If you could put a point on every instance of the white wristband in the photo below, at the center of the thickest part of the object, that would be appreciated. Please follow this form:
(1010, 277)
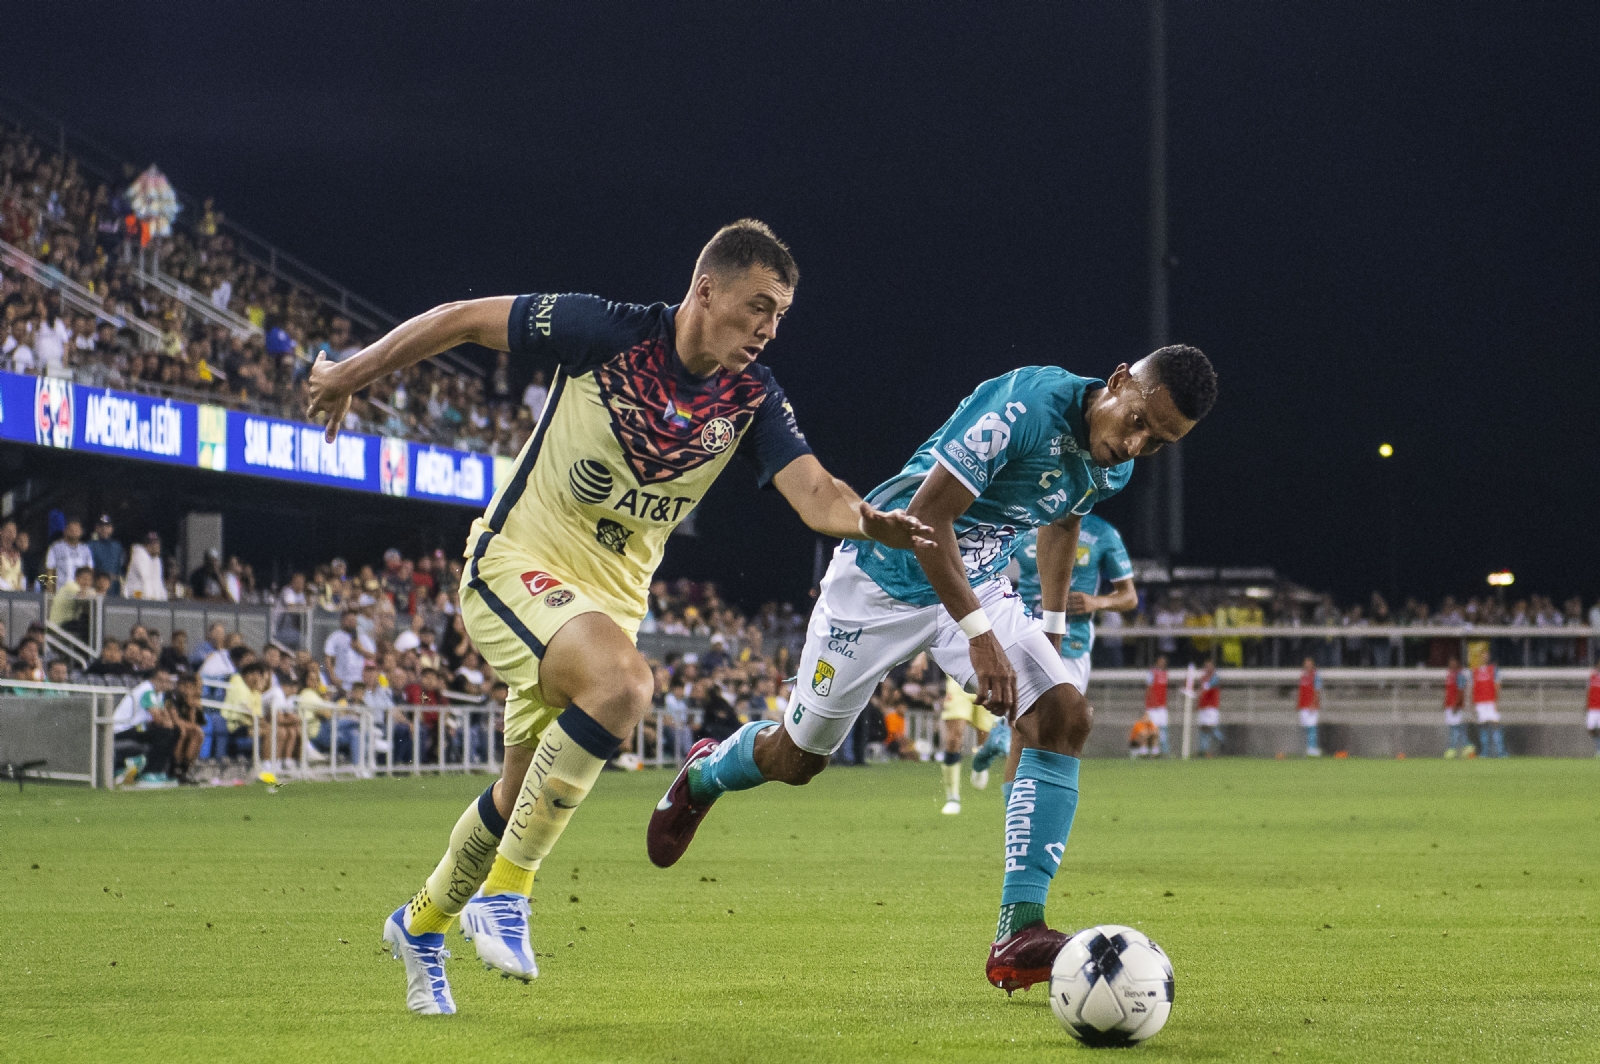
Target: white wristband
(1055, 622)
(975, 623)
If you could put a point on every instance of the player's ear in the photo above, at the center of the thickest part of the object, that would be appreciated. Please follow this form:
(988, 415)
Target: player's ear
(1119, 376)
(703, 286)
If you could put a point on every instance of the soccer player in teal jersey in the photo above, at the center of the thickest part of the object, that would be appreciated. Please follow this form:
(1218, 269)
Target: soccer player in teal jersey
(1101, 559)
(1034, 449)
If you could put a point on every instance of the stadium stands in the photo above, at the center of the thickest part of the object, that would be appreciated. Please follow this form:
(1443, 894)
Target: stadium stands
(89, 294)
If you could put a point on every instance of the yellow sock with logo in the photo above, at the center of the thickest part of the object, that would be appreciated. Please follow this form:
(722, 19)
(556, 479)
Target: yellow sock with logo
(565, 766)
(461, 870)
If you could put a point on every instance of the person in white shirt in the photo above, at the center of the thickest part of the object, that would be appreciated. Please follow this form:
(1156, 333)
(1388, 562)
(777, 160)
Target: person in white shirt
(50, 350)
(68, 554)
(222, 295)
(145, 579)
(215, 672)
(411, 638)
(348, 650)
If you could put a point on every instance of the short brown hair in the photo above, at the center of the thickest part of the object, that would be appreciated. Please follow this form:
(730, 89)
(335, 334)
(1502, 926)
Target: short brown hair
(744, 244)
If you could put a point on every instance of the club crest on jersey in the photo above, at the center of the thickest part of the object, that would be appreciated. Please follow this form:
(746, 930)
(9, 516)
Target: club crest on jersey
(717, 435)
(538, 583)
(556, 599)
(612, 536)
(822, 679)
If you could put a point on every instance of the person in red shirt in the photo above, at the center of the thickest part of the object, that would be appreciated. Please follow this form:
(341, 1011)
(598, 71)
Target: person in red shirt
(1592, 717)
(1309, 703)
(1209, 716)
(1456, 682)
(1486, 704)
(1155, 700)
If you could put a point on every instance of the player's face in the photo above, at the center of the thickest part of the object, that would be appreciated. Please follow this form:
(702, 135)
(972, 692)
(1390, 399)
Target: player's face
(1134, 418)
(742, 314)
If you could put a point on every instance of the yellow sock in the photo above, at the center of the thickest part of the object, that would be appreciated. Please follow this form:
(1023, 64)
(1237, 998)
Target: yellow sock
(952, 781)
(566, 764)
(507, 878)
(460, 871)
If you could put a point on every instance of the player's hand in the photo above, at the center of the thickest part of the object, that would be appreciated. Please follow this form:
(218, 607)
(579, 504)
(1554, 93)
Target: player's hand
(328, 400)
(997, 681)
(895, 529)
(1079, 603)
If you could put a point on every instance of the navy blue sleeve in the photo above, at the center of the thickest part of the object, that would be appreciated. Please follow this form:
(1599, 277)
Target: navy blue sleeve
(577, 331)
(774, 439)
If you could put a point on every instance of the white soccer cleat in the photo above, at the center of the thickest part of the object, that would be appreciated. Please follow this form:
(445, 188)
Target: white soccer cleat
(427, 989)
(497, 927)
(952, 807)
(980, 780)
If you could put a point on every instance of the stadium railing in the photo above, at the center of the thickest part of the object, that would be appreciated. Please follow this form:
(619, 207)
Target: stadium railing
(1283, 645)
(75, 296)
(1365, 711)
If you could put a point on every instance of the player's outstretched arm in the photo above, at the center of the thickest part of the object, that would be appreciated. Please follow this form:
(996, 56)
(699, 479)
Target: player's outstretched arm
(475, 321)
(1058, 552)
(941, 499)
(828, 505)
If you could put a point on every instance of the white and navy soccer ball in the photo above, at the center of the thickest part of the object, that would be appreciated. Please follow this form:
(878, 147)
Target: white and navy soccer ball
(1111, 986)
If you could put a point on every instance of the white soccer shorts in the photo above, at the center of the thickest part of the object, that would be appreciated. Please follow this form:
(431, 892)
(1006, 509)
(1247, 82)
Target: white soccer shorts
(1078, 672)
(1488, 712)
(858, 633)
(1158, 716)
(1308, 718)
(1591, 720)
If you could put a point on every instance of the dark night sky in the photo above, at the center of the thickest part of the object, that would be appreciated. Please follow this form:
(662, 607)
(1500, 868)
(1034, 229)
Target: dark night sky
(1384, 216)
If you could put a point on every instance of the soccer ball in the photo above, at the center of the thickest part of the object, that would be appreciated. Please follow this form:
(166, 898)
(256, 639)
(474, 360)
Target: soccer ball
(1111, 986)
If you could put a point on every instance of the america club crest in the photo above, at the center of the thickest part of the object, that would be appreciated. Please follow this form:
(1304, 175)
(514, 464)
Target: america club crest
(53, 413)
(556, 599)
(717, 436)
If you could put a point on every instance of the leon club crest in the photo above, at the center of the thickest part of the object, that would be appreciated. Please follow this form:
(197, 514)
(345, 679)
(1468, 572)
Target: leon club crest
(822, 679)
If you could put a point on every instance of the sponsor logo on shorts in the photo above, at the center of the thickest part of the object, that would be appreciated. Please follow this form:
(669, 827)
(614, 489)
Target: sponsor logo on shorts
(612, 536)
(822, 679)
(538, 583)
(842, 641)
(556, 599)
(591, 481)
(717, 435)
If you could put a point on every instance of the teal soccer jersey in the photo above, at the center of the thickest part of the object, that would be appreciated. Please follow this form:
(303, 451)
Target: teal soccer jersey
(1021, 446)
(1100, 554)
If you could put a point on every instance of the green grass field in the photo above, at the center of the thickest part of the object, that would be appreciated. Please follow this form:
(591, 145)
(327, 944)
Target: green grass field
(1334, 910)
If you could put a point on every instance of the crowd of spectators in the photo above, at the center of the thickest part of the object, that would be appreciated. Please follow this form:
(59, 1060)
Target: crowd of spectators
(86, 231)
(1215, 607)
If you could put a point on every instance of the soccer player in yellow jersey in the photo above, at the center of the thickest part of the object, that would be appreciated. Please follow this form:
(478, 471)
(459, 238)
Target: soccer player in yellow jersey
(647, 407)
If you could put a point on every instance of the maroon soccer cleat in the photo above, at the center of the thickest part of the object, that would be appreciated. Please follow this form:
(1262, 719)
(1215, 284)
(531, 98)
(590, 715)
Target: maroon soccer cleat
(1025, 958)
(673, 824)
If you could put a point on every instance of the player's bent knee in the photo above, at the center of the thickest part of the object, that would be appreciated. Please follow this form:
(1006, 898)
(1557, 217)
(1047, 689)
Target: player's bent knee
(1059, 722)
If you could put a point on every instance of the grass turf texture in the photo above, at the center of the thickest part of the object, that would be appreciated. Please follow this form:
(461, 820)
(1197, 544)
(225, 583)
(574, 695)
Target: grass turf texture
(1334, 910)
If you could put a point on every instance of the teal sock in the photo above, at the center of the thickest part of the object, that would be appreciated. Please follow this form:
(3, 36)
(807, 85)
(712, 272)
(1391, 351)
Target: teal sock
(1015, 916)
(732, 767)
(1039, 812)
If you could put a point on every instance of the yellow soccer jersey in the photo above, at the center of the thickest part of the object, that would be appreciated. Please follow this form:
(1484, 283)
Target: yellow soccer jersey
(628, 443)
